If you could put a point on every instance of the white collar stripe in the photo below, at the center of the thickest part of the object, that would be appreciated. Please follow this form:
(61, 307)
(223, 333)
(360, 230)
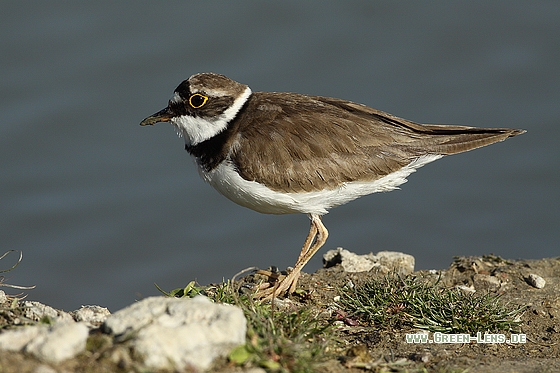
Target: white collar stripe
(197, 129)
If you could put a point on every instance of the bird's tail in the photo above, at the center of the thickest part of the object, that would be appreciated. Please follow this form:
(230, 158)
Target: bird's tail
(446, 140)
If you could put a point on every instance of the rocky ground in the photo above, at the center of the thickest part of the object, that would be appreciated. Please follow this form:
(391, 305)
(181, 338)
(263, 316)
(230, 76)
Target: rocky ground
(540, 321)
(91, 340)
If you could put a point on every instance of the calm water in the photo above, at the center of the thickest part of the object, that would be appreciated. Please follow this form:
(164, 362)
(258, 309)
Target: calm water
(103, 208)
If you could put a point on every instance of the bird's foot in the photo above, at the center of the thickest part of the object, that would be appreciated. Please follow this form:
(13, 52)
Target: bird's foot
(283, 285)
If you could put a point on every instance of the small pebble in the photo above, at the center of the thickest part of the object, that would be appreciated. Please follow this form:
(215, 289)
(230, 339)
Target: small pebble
(536, 281)
(424, 356)
(466, 289)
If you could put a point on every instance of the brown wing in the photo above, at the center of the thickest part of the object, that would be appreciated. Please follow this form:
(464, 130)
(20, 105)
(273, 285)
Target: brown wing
(297, 143)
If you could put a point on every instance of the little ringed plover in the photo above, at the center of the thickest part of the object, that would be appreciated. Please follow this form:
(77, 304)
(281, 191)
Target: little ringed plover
(283, 153)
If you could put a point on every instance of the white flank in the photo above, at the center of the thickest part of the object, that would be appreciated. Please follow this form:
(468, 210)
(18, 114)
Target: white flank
(258, 197)
(198, 129)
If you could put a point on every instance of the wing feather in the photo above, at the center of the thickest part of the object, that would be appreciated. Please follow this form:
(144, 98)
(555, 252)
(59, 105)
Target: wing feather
(297, 143)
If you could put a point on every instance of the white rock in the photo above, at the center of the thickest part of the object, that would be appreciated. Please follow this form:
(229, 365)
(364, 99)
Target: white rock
(52, 344)
(17, 339)
(179, 333)
(536, 281)
(384, 260)
(135, 316)
(59, 342)
(399, 262)
(91, 315)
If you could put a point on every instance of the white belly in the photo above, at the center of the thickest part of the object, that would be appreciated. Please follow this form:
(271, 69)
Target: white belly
(262, 199)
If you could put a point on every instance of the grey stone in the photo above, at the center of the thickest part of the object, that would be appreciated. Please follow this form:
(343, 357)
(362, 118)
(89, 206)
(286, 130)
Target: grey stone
(536, 281)
(179, 333)
(350, 261)
(384, 261)
(37, 311)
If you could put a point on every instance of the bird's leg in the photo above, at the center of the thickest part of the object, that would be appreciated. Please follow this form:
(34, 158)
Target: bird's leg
(321, 236)
(275, 276)
(315, 239)
(308, 240)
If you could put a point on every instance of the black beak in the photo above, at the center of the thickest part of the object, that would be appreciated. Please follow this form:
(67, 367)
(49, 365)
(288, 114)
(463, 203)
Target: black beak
(161, 116)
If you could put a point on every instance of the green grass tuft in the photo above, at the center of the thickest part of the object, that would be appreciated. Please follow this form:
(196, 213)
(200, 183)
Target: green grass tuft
(408, 301)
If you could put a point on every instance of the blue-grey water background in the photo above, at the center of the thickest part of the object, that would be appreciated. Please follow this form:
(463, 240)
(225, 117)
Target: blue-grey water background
(103, 208)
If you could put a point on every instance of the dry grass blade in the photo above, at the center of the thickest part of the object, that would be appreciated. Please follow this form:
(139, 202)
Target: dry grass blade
(2, 283)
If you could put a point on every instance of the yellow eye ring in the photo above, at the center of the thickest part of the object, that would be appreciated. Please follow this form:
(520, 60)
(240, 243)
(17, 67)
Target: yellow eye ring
(197, 100)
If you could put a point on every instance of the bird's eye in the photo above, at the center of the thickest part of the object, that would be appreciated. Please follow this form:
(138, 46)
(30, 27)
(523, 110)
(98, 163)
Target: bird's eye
(197, 100)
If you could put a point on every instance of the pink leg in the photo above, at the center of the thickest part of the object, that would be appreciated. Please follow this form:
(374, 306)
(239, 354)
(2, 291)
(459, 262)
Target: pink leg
(315, 240)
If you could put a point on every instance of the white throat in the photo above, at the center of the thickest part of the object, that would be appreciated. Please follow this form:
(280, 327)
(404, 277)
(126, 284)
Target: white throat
(197, 129)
